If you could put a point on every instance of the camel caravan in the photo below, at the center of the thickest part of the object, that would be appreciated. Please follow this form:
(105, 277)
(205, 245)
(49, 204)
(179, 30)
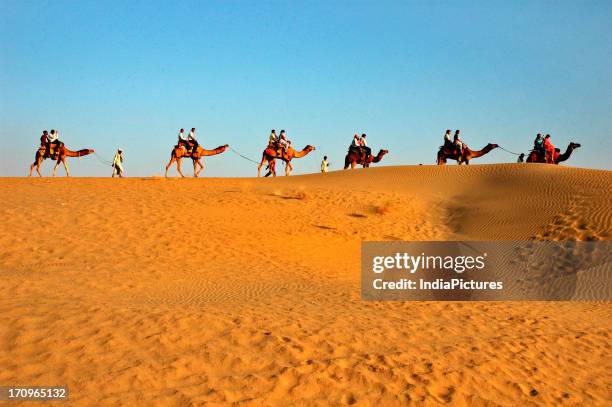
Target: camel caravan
(279, 148)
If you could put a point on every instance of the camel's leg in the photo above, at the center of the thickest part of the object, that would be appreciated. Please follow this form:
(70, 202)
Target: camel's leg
(178, 167)
(272, 167)
(353, 164)
(57, 163)
(199, 163)
(61, 160)
(36, 164)
(32, 167)
(263, 160)
(288, 168)
(66, 166)
(172, 160)
(195, 168)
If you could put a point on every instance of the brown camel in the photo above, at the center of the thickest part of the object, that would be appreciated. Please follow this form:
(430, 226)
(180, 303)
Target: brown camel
(449, 152)
(179, 152)
(536, 156)
(58, 154)
(353, 158)
(270, 155)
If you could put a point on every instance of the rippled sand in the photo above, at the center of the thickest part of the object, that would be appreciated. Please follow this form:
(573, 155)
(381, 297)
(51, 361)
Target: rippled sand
(185, 292)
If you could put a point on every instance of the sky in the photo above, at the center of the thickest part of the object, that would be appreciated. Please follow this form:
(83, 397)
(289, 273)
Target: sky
(112, 74)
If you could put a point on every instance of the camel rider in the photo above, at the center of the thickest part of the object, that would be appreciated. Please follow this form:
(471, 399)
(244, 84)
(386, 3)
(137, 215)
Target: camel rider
(53, 138)
(550, 150)
(283, 143)
(43, 138)
(366, 151)
(355, 145)
(182, 139)
(192, 139)
(538, 144)
(44, 142)
(458, 142)
(447, 139)
(273, 139)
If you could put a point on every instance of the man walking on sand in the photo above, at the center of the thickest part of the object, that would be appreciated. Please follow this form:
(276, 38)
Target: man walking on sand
(117, 164)
(324, 165)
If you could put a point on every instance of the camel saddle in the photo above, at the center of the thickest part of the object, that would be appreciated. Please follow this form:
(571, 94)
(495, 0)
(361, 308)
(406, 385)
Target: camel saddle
(361, 154)
(53, 152)
(182, 145)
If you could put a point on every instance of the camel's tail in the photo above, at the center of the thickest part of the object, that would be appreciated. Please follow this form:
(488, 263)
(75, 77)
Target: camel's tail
(79, 153)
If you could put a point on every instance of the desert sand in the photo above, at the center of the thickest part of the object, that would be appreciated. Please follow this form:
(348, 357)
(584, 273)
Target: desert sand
(153, 291)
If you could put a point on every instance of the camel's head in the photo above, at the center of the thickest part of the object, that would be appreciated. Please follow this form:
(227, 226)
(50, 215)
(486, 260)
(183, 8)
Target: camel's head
(383, 152)
(309, 148)
(573, 145)
(225, 145)
(492, 146)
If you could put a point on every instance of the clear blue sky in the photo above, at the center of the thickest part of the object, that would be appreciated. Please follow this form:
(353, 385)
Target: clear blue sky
(130, 74)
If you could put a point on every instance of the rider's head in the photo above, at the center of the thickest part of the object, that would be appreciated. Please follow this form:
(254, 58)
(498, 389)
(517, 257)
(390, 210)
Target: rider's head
(363, 135)
(325, 157)
(273, 131)
(193, 129)
(182, 131)
(547, 136)
(282, 132)
(52, 131)
(448, 131)
(356, 135)
(45, 132)
(457, 131)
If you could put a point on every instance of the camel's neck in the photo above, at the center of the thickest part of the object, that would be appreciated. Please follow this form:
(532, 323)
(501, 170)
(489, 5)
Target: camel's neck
(302, 153)
(566, 155)
(79, 153)
(479, 153)
(378, 157)
(203, 152)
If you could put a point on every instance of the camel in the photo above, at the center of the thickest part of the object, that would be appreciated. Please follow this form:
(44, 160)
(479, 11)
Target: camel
(179, 152)
(58, 154)
(449, 152)
(536, 157)
(353, 158)
(270, 155)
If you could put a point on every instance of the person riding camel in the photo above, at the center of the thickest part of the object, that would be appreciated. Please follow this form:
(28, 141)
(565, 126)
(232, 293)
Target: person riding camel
(447, 139)
(283, 143)
(182, 139)
(44, 141)
(458, 143)
(538, 144)
(550, 150)
(192, 140)
(53, 138)
(273, 139)
(365, 150)
(355, 144)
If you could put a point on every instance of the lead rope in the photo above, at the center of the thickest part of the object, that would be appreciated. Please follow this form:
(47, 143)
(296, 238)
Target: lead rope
(243, 156)
(102, 160)
(508, 151)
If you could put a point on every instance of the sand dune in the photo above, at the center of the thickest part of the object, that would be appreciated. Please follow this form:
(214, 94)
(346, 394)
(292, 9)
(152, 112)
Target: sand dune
(184, 292)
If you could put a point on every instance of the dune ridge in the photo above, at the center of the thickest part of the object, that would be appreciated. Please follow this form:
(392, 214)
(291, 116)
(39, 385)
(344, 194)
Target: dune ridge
(217, 291)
